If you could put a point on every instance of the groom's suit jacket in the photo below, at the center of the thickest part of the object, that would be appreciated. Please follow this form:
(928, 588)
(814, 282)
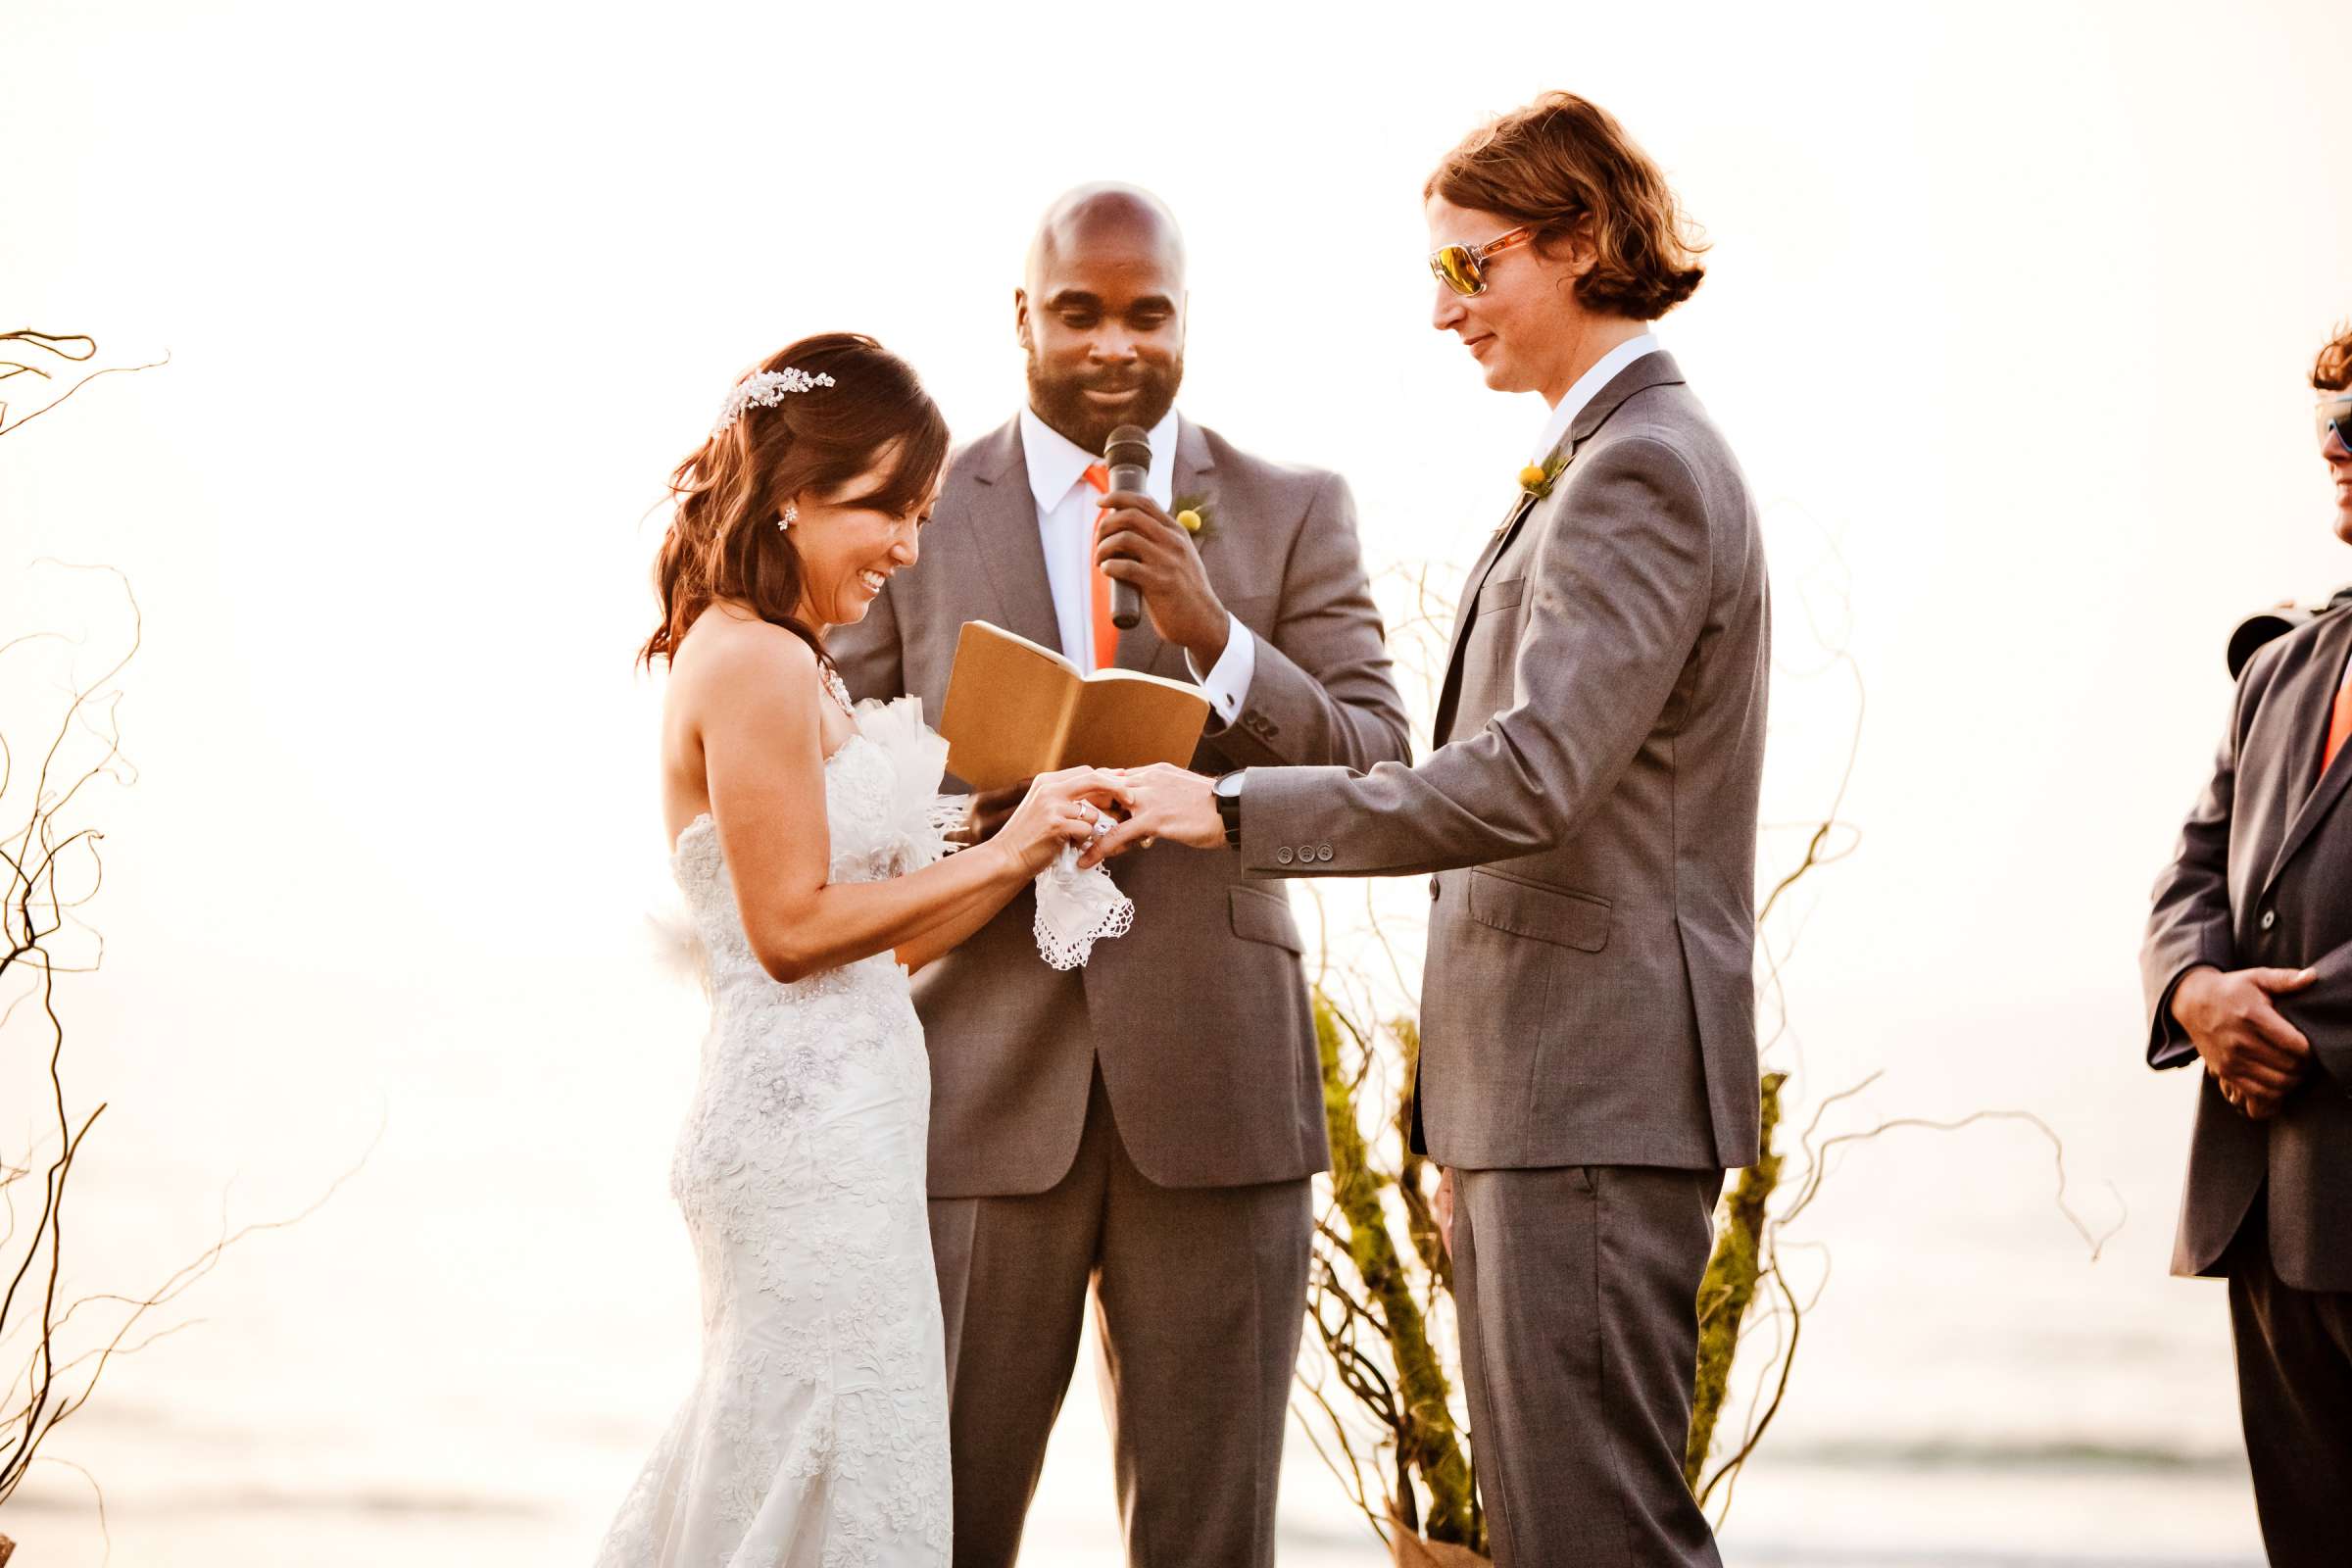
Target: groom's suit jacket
(1590, 811)
(1199, 1015)
(2263, 877)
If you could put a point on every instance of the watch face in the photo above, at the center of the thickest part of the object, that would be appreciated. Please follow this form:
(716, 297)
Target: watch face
(1229, 787)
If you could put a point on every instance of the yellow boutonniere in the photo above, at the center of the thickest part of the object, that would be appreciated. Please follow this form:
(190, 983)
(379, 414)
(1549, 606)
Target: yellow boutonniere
(1536, 479)
(1196, 516)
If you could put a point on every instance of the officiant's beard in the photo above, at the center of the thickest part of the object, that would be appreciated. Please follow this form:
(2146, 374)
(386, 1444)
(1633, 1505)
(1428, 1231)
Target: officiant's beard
(1062, 403)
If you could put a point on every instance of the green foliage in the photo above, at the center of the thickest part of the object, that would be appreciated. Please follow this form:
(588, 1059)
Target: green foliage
(1729, 1283)
(1410, 1393)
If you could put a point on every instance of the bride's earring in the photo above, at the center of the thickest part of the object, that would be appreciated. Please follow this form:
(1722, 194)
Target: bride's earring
(792, 515)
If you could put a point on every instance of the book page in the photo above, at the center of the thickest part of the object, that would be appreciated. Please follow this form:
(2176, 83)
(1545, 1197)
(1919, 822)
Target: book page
(1126, 719)
(1008, 708)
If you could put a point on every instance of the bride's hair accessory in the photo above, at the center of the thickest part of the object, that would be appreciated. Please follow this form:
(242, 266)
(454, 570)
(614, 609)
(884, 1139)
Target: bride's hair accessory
(766, 389)
(792, 515)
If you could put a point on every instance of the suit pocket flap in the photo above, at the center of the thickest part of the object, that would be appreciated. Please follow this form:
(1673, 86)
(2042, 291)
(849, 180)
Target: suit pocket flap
(1259, 915)
(1501, 593)
(1547, 914)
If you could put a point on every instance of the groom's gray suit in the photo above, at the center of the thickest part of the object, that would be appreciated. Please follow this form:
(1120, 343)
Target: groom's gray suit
(1150, 1121)
(1589, 1050)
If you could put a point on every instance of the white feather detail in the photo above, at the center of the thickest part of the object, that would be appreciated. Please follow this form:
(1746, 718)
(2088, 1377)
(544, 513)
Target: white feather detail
(678, 950)
(918, 756)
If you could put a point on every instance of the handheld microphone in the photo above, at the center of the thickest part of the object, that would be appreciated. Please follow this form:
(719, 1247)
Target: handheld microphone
(1128, 456)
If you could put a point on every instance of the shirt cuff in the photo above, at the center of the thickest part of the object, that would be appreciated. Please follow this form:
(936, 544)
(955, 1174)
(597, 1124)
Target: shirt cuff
(1226, 685)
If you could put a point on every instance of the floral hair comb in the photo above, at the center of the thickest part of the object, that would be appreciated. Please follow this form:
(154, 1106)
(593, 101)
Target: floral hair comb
(766, 388)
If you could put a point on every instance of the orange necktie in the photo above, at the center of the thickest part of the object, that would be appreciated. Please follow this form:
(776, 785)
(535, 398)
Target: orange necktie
(2339, 728)
(1106, 635)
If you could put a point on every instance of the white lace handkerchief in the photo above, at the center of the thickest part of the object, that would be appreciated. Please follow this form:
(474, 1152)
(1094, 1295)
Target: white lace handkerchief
(1076, 909)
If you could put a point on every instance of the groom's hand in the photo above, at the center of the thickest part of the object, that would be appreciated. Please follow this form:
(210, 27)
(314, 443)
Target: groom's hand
(1136, 542)
(1168, 803)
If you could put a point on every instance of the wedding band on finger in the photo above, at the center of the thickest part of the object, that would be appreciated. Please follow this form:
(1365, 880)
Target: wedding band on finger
(1148, 841)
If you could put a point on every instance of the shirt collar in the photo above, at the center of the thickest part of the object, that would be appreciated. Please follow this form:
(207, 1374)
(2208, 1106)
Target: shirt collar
(1057, 462)
(1587, 386)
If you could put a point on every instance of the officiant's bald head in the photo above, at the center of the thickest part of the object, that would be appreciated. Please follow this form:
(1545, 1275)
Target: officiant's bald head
(1101, 313)
(1105, 215)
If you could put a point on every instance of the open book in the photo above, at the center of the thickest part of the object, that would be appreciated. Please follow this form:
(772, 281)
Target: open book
(1016, 710)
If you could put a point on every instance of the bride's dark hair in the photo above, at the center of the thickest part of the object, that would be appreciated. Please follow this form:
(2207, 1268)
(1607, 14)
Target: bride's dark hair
(723, 542)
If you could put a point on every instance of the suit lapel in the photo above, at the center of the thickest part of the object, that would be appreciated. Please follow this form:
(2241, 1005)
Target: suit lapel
(1496, 543)
(1004, 527)
(1650, 369)
(2310, 700)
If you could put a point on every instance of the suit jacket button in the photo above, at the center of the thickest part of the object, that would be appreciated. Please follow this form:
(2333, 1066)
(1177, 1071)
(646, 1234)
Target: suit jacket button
(2269, 918)
(1282, 856)
(1322, 852)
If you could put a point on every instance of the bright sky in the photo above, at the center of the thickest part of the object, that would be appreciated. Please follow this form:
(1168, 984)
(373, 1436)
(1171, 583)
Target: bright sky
(2008, 316)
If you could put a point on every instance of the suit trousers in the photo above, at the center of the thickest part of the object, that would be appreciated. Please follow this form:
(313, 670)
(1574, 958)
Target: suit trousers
(1577, 1290)
(2294, 1396)
(1199, 1296)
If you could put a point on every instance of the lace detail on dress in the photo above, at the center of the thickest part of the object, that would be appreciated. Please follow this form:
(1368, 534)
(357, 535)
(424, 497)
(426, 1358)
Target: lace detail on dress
(817, 1435)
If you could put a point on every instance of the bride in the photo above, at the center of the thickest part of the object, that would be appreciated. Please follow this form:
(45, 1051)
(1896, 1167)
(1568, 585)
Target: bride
(817, 1435)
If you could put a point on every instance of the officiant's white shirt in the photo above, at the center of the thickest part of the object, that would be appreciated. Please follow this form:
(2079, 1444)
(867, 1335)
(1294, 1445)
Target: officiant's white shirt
(1587, 387)
(1065, 526)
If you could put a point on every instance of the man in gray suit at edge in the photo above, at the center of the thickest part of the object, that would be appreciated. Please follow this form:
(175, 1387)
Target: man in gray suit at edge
(1149, 1123)
(1589, 1054)
(2248, 966)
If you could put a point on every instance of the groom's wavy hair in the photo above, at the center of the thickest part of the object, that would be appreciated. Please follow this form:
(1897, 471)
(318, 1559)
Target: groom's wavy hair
(2332, 371)
(1565, 168)
(723, 541)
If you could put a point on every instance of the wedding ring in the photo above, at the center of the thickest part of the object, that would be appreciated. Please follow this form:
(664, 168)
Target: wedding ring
(1086, 811)
(1148, 841)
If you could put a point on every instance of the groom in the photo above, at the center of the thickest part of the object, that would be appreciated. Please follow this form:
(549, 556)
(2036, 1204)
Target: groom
(1589, 1051)
(1145, 1125)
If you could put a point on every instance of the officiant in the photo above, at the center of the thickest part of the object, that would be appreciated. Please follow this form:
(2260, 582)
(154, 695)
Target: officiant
(1142, 1129)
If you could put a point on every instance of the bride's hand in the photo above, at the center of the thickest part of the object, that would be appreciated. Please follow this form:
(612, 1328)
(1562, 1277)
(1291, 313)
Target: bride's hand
(1064, 808)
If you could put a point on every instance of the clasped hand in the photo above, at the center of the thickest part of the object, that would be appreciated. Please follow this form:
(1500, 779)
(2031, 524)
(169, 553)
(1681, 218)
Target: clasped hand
(2252, 1051)
(1032, 821)
(1143, 805)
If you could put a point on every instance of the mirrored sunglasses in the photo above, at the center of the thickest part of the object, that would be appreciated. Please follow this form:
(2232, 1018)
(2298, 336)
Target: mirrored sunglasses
(2335, 414)
(1463, 268)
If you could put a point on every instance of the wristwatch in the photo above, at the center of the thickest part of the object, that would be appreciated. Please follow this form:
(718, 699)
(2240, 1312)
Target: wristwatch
(1228, 792)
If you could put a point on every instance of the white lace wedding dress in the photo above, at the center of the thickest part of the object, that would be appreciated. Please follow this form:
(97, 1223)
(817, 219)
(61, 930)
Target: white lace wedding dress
(817, 1435)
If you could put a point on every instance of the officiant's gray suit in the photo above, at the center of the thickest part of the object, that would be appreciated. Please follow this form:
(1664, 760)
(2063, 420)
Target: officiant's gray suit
(1149, 1122)
(1588, 1016)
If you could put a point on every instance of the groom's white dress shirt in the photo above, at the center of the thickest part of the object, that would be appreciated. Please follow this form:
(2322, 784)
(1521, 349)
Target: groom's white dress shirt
(1065, 526)
(1587, 386)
